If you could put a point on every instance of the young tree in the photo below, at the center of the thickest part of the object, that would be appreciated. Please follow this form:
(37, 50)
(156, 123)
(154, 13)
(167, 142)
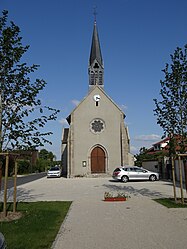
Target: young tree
(171, 110)
(22, 114)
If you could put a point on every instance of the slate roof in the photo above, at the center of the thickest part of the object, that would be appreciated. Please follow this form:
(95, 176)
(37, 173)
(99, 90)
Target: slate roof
(95, 47)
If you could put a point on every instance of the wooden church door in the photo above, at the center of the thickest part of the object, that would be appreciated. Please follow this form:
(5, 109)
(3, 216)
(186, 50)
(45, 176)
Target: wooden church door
(97, 160)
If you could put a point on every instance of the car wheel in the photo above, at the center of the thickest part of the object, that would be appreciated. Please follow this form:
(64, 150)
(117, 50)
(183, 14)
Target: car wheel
(124, 179)
(152, 178)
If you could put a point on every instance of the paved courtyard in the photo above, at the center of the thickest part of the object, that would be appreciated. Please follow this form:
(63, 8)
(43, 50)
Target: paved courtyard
(89, 188)
(139, 223)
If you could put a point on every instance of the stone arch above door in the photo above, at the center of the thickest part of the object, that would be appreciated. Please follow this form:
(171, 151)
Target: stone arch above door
(98, 161)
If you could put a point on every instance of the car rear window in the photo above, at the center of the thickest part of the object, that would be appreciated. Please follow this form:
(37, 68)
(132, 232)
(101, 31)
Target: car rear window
(117, 169)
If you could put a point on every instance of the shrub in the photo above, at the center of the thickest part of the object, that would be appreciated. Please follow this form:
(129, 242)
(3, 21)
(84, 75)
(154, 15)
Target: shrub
(24, 167)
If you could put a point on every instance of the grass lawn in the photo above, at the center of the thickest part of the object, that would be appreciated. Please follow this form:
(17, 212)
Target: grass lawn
(38, 226)
(170, 203)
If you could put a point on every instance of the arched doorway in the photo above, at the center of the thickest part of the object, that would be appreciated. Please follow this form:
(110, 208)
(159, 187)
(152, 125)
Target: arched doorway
(97, 160)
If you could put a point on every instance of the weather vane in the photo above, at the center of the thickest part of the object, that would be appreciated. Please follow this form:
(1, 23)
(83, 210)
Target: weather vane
(95, 12)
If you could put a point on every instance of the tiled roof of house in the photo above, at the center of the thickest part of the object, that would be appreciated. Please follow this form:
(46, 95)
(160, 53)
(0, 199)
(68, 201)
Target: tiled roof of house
(165, 148)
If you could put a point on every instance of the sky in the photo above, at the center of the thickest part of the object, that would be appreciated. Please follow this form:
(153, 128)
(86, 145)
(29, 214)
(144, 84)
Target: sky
(137, 38)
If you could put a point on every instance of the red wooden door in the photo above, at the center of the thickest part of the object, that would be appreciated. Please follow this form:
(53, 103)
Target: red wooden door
(97, 160)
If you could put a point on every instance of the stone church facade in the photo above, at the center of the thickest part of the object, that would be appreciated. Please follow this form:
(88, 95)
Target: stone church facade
(97, 140)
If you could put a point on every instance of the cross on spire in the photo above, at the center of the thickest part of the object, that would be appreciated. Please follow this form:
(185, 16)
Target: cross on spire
(95, 13)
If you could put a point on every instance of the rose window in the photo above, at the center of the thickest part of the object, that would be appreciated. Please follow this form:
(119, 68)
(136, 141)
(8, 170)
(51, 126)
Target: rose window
(97, 126)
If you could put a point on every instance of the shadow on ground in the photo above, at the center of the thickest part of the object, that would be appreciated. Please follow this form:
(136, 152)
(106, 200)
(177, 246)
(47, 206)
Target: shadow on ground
(21, 195)
(134, 191)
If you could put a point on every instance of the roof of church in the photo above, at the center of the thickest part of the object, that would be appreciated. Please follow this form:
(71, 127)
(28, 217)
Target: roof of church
(95, 47)
(100, 89)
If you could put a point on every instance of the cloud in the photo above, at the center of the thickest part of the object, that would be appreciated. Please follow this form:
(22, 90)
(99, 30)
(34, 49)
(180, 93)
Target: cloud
(75, 102)
(123, 107)
(134, 149)
(149, 138)
(63, 121)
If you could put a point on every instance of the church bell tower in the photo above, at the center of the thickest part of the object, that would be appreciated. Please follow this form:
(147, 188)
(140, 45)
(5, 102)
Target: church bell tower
(97, 138)
(96, 67)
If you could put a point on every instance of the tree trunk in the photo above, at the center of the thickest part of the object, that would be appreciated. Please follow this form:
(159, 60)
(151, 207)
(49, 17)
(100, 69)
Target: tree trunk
(173, 175)
(181, 183)
(15, 185)
(5, 186)
(185, 172)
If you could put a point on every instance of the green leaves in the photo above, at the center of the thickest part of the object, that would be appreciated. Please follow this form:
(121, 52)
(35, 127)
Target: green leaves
(171, 110)
(46, 155)
(22, 114)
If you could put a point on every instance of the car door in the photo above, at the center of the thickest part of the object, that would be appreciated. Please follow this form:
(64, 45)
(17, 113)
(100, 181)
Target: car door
(140, 174)
(143, 174)
(132, 174)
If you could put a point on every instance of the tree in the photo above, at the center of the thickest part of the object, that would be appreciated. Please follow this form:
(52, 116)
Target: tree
(171, 111)
(22, 115)
(45, 160)
(24, 167)
(145, 156)
(46, 155)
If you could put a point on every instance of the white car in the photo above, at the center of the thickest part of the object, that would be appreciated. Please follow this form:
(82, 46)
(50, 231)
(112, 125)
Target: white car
(54, 172)
(127, 173)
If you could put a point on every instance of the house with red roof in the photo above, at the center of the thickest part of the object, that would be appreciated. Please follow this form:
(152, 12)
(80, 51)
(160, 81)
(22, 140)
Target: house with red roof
(160, 161)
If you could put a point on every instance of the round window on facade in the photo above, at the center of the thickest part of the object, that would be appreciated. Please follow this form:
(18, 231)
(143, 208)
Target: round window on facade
(97, 126)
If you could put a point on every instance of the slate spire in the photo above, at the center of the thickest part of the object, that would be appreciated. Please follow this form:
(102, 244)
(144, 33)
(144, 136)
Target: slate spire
(95, 47)
(96, 67)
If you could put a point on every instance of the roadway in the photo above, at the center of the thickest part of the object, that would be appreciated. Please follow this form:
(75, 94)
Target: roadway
(23, 179)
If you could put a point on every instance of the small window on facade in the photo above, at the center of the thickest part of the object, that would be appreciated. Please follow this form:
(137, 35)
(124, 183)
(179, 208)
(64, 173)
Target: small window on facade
(97, 126)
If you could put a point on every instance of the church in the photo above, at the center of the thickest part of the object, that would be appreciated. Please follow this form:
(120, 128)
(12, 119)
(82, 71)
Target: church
(97, 140)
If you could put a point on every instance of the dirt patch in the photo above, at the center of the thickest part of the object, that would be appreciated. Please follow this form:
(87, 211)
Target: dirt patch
(180, 202)
(10, 216)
